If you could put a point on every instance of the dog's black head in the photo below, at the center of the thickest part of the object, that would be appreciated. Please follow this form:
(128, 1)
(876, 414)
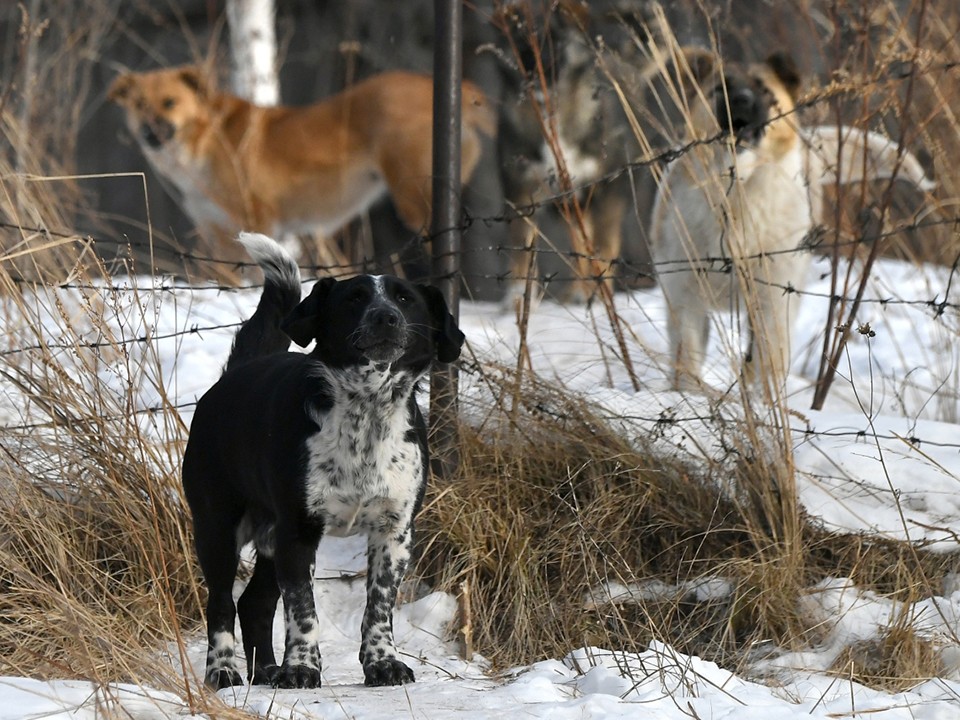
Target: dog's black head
(752, 103)
(747, 98)
(376, 318)
(742, 106)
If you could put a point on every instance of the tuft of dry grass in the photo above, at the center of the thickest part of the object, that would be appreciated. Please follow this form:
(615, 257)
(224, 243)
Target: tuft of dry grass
(896, 661)
(552, 505)
(96, 560)
(566, 534)
(97, 570)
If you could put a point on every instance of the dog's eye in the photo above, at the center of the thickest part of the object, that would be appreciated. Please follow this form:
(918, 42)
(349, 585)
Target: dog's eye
(404, 298)
(168, 103)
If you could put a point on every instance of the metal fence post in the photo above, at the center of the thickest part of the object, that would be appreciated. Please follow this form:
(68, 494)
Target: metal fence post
(445, 220)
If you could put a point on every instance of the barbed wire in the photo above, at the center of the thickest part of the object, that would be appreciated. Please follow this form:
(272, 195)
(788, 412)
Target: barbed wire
(706, 264)
(118, 417)
(626, 271)
(897, 69)
(666, 419)
(120, 342)
(725, 266)
(659, 423)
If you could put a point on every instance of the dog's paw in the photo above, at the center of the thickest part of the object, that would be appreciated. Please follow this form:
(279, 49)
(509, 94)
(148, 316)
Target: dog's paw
(386, 672)
(297, 676)
(265, 675)
(222, 677)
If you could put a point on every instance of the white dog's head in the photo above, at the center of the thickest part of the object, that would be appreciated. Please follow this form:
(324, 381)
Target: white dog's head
(753, 105)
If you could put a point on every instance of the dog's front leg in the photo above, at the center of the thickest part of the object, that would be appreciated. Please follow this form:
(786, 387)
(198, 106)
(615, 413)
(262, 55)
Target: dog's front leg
(688, 329)
(301, 659)
(388, 554)
(770, 314)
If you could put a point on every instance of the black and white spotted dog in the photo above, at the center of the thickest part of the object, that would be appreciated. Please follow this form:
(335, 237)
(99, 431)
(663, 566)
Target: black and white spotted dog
(288, 446)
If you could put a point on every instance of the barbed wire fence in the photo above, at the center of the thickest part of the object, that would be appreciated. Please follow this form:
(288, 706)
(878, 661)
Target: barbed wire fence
(938, 306)
(932, 215)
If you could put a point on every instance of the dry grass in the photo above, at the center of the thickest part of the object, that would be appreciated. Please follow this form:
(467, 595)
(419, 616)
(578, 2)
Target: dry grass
(97, 568)
(565, 535)
(898, 660)
(97, 571)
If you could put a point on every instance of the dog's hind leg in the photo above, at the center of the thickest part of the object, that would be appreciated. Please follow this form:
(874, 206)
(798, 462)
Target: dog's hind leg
(409, 183)
(604, 222)
(217, 553)
(388, 555)
(256, 608)
(609, 215)
(522, 256)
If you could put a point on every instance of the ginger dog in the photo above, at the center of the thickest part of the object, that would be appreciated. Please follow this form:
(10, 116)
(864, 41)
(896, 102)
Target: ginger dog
(732, 213)
(280, 170)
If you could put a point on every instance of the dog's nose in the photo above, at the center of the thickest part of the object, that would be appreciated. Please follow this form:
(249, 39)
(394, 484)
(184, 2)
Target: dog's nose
(156, 133)
(151, 138)
(382, 335)
(743, 107)
(384, 317)
(744, 98)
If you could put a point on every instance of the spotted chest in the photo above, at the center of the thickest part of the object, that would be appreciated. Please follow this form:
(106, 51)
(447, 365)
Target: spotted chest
(365, 463)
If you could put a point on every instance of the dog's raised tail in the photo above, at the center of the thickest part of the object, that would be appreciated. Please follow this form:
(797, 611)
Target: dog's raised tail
(261, 334)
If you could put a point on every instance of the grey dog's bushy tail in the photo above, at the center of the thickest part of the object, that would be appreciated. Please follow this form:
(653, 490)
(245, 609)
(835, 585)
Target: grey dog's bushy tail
(261, 334)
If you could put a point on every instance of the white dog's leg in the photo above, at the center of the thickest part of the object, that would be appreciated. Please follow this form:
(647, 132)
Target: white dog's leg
(771, 308)
(770, 316)
(688, 329)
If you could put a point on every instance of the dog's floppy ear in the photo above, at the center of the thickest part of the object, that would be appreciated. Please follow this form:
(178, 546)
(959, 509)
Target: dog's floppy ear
(694, 67)
(684, 72)
(785, 68)
(702, 63)
(303, 323)
(120, 88)
(447, 337)
(191, 76)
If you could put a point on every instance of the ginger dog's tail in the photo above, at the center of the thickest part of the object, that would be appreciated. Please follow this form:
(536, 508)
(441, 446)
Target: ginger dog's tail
(261, 334)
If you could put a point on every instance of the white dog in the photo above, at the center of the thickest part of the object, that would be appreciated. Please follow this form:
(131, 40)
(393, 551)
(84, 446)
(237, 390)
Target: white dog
(731, 216)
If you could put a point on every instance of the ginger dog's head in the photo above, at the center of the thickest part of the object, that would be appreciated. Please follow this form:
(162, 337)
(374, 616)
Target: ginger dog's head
(752, 104)
(162, 103)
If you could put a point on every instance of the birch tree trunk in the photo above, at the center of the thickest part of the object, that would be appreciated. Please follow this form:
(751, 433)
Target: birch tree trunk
(253, 46)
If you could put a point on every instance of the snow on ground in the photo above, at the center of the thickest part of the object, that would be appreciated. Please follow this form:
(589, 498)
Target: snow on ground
(883, 457)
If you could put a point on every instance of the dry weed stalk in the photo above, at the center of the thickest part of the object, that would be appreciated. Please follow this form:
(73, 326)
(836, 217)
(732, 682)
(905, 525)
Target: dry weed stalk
(841, 319)
(590, 272)
(97, 577)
